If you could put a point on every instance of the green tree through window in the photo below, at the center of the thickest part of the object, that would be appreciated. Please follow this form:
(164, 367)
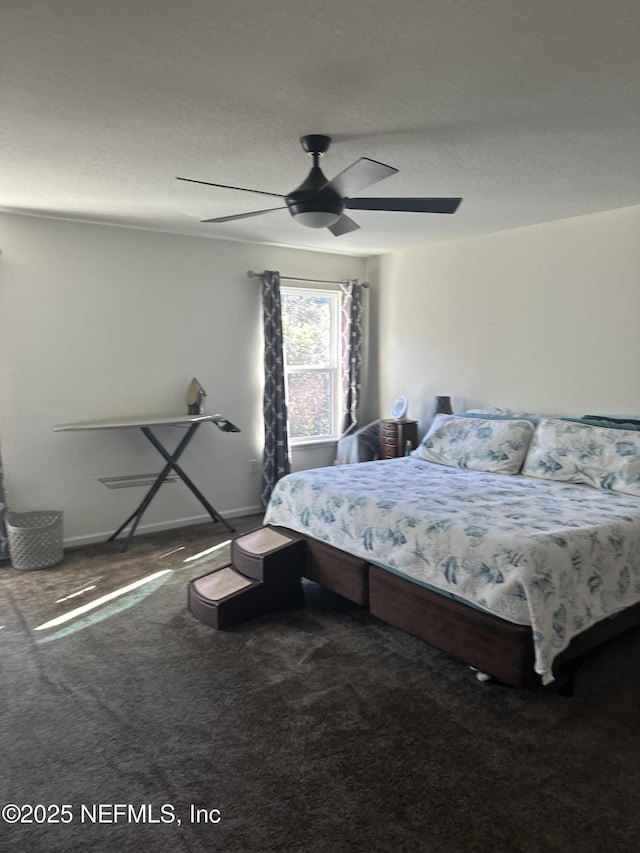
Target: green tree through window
(310, 335)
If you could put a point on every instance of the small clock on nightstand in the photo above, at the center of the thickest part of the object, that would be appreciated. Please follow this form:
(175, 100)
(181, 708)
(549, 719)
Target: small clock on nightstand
(399, 408)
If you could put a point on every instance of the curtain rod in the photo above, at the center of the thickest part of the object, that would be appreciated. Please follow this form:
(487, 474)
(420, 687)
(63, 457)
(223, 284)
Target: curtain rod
(252, 274)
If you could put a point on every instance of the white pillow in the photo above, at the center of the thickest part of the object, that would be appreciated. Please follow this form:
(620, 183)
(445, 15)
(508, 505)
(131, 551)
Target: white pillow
(607, 459)
(498, 446)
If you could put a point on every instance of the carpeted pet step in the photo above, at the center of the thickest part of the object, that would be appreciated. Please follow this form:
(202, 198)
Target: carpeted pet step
(269, 555)
(264, 576)
(225, 597)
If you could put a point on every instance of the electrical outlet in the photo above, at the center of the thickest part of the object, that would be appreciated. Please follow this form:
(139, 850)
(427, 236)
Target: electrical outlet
(253, 466)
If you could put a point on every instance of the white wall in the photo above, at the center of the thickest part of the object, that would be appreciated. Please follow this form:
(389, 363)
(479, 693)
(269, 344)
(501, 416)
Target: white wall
(545, 318)
(97, 321)
(100, 321)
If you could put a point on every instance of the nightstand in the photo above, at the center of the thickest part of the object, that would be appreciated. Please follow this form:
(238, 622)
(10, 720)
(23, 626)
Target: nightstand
(394, 435)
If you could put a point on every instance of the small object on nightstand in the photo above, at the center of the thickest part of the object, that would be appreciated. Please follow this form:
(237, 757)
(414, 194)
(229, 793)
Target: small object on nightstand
(443, 406)
(399, 408)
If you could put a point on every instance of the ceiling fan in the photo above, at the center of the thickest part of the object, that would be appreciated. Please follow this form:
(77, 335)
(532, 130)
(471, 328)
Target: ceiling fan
(320, 203)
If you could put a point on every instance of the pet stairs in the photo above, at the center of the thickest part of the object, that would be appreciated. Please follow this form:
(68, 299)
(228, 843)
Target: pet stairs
(264, 576)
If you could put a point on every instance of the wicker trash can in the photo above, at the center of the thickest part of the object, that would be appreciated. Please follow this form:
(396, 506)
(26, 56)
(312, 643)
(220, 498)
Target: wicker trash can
(35, 538)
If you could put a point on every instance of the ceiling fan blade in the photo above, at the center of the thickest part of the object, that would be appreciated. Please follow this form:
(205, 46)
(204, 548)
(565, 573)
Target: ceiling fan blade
(407, 205)
(359, 175)
(227, 187)
(243, 215)
(344, 225)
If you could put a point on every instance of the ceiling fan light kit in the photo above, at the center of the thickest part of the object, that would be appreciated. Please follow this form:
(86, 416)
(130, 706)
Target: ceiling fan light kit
(320, 203)
(314, 217)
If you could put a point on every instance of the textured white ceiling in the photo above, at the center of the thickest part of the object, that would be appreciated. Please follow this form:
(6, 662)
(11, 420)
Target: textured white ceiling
(528, 110)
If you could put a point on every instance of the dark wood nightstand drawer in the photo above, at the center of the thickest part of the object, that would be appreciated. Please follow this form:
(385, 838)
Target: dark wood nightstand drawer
(394, 435)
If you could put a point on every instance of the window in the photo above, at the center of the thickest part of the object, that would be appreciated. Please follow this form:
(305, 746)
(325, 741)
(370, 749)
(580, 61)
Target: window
(311, 353)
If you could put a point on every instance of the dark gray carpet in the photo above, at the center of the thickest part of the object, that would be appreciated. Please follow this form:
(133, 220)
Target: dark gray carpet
(319, 729)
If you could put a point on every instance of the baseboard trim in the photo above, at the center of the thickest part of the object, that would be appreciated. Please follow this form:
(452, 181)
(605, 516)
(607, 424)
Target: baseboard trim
(93, 538)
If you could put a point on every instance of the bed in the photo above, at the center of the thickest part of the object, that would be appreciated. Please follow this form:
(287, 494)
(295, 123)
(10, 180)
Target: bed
(512, 544)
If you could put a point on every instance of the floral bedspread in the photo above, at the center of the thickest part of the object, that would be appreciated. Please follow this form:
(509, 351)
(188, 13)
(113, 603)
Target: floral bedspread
(557, 556)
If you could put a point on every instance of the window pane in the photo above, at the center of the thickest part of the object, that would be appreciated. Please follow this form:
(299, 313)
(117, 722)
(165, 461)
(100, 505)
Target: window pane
(306, 326)
(309, 404)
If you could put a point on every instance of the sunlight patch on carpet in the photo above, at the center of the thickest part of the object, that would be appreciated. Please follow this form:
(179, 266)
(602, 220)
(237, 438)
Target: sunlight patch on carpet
(99, 602)
(75, 594)
(173, 551)
(202, 554)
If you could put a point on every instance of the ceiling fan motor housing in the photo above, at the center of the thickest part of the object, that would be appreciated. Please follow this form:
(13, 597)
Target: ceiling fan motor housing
(314, 203)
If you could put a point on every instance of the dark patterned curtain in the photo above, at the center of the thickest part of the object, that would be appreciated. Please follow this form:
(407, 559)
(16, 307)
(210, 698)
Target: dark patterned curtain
(4, 542)
(351, 352)
(276, 444)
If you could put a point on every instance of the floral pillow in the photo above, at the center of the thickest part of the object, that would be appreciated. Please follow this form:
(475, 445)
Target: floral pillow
(573, 452)
(481, 445)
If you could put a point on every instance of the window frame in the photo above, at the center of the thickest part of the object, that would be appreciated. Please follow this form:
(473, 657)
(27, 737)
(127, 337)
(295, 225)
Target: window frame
(335, 369)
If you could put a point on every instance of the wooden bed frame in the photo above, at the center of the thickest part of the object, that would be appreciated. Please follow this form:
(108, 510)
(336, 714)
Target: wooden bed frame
(492, 645)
